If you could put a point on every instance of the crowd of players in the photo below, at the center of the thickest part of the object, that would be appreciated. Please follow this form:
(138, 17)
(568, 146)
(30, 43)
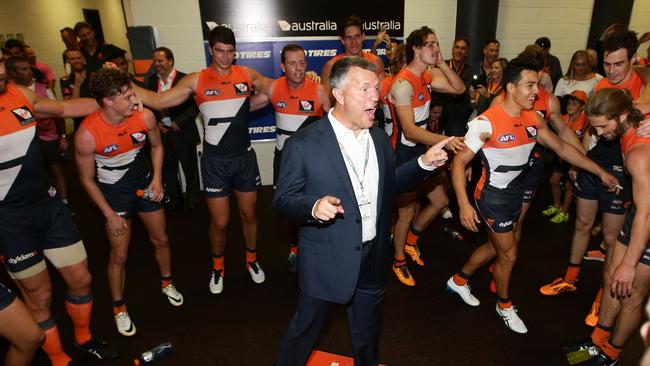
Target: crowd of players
(499, 112)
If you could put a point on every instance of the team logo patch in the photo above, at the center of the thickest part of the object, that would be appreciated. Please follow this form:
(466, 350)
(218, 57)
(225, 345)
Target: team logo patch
(138, 138)
(241, 88)
(531, 131)
(110, 148)
(23, 115)
(421, 96)
(508, 137)
(489, 221)
(211, 92)
(307, 106)
(281, 104)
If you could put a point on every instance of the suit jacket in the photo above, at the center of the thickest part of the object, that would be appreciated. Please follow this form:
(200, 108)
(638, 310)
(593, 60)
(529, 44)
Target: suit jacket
(184, 115)
(330, 252)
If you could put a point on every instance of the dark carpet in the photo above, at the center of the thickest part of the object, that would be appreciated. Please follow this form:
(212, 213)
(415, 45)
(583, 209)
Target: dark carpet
(423, 325)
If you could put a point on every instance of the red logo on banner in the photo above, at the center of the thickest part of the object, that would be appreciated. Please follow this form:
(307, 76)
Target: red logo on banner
(320, 358)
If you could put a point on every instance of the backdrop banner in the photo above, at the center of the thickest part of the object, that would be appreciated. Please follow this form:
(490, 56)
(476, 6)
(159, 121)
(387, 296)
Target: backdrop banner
(264, 27)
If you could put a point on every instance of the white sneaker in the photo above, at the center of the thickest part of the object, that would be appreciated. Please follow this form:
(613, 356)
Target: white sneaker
(464, 292)
(124, 324)
(446, 213)
(512, 320)
(216, 282)
(257, 274)
(175, 298)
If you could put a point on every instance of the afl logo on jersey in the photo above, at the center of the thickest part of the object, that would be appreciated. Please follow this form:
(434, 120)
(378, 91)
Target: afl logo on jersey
(281, 104)
(138, 138)
(23, 115)
(110, 148)
(505, 138)
(211, 92)
(531, 131)
(306, 106)
(241, 88)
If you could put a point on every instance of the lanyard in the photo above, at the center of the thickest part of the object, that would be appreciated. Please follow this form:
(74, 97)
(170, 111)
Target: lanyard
(460, 69)
(365, 164)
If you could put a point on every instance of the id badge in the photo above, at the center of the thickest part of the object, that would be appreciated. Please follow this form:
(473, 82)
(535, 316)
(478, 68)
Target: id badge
(364, 208)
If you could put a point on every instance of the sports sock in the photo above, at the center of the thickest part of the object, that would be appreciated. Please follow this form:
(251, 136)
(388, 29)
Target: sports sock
(612, 351)
(571, 274)
(217, 263)
(600, 335)
(400, 261)
(165, 280)
(79, 309)
(52, 343)
(504, 303)
(251, 255)
(119, 306)
(412, 236)
(461, 278)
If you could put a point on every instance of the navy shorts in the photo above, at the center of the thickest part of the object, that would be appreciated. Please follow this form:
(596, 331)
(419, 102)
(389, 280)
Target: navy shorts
(499, 217)
(222, 176)
(532, 176)
(26, 233)
(277, 161)
(51, 153)
(625, 234)
(589, 187)
(125, 202)
(6, 297)
(559, 165)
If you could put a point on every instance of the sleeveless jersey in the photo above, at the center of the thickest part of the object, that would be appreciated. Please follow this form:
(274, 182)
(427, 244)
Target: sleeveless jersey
(420, 103)
(384, 91)
(294, 109)
(24, 180)
(634, 85)
(119, 157)
(505, 154)
(367, 55)
(224, 102)
(542, 104)
(630, 138)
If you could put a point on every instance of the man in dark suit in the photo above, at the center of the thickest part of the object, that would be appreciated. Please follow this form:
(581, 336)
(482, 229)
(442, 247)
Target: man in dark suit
(179, 132)
(337, 179)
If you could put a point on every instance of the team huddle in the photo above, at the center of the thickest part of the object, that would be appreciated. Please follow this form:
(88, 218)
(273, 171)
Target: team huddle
(386, 131)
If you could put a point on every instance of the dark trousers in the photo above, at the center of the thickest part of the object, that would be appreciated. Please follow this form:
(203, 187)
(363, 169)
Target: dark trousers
(177, 149)
(364, 313)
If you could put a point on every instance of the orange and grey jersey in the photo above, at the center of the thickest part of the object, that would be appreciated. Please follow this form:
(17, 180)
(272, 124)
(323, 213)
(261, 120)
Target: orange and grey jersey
(543, 104)
(224, 102)
(420, 102)
(24, 180)
(384, 92)
(630, 138)
(119, 156)
(505, 154)
(367, 55)
(635, 85)
(294, 108)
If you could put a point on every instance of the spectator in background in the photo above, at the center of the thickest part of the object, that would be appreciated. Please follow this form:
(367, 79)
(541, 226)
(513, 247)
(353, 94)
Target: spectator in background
(118, 57)
(458, 108)
(45, 68)
(579, 76)
(69, 38)
(481, 71)
(16, 48)
(483, 96)
(551, 63)
(75, 84)
(51, 131)
(93, 50)
(179, 132)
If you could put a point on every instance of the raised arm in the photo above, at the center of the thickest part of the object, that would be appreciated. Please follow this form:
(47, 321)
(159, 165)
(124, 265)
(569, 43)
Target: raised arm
(46, 108)
(171, 97)
(444, 79)
(153, 135)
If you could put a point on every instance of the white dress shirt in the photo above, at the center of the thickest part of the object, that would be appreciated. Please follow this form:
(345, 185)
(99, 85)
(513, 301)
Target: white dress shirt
(364, 176)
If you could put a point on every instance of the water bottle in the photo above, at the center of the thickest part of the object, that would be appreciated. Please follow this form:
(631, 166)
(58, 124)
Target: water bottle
(156, 353)
(454, 233)
(148, 195)
(582, 355)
